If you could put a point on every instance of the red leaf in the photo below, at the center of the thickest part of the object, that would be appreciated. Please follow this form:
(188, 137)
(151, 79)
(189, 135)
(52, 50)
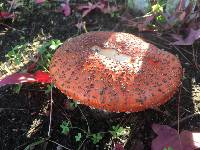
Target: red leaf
(6, 15)
(41, 76)
(39, 1)
(101, 5)
(169, 137)
(18, 78)
(65, 8)
(118, 146)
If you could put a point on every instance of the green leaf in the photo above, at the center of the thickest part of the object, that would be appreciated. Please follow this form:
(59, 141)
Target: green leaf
(17, 88)
(96, 138)
(65, 127)
(10, 54)
(43, 48)
(78, 137)
(54, 44)
(161, 19)
(17, 59)
(117, 131)
(157, 8)
(170, 148)
(162, 2)
(73, 104)
(49, 87)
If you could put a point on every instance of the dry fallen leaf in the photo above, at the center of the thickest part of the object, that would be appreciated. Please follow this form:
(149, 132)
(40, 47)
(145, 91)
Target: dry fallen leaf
(141, 24)
(102, 5)
(65, 8)
(6, 15)
(169, 137)
(39, 1)
(189, 40)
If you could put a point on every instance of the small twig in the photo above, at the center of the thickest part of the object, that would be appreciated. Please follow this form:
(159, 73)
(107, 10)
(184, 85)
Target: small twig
(183, 55)
(178, 116)
(82, 144)
(11, 6)
(195, 58)
(186, 90)
(11, 27)
(50, 115)
(85, 119)
(178, 111)
(58, 144)
(185, 118)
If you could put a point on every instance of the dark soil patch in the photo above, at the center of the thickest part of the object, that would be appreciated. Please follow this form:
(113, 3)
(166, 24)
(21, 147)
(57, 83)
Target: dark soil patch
(20, 112)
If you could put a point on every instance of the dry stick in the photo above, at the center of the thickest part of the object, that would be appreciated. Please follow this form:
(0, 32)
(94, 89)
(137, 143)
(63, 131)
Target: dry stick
(178, 111)
(87, 125)
(173, 45)
(11, 27)
(178, 117)
(58, 144)
(85, 119)
(195, 57)
(50, 115)
(185, 118)
(82, 144)
(182, 55)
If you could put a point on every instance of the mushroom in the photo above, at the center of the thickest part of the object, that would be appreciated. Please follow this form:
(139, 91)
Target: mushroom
(115, 71)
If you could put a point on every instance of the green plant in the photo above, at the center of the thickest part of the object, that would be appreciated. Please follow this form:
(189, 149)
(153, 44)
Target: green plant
(78, 137)
(1, 6)
(158, 9)
(114, 14)
(73, 104)
(117, 131)
(168, 148)
(96, 138)
(16, 54)
(17, 88)
(49, 87)
(65, 127)
(46, 51)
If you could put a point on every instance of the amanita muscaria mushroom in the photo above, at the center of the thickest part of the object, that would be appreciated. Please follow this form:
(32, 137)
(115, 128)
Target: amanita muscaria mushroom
(117, 72)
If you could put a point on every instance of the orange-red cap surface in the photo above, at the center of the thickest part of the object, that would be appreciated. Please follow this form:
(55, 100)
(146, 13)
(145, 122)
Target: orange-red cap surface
(115, 71)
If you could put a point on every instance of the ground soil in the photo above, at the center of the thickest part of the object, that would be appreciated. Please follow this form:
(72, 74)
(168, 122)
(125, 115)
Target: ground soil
(24, 117)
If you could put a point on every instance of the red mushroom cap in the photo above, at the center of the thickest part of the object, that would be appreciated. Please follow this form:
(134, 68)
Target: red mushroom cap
(117, 72)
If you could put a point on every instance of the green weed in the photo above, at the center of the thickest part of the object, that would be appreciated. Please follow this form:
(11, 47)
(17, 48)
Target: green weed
(96, 138)
(78, 137)
(65, 127)
(117, 131)
(16, 54)
(168, 148)
(46, 52)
